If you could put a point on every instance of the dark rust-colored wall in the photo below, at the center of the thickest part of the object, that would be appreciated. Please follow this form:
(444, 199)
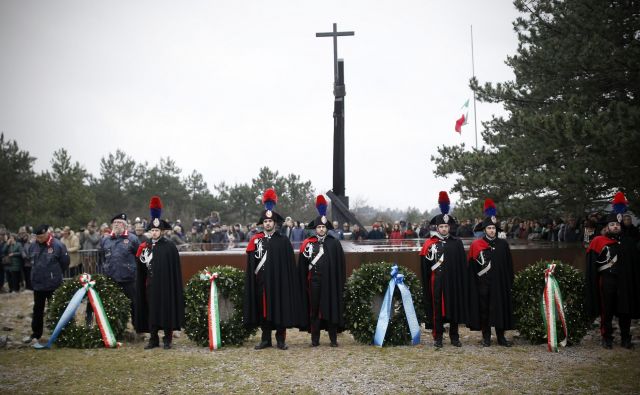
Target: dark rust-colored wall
(522, 257)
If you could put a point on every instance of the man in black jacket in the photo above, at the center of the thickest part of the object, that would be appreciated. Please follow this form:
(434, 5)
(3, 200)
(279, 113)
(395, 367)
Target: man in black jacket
(159, 298)
(323, 273)
(491, 280)
(49, 260)
(272, 289)
(444, 278)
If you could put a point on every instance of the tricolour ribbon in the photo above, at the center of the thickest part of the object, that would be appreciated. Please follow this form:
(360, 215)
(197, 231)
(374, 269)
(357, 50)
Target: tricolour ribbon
(385, 310)
(552, 309)
(213, 313)
(108, 337)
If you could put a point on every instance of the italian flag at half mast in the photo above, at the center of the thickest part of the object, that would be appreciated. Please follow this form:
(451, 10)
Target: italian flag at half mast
(463, 119)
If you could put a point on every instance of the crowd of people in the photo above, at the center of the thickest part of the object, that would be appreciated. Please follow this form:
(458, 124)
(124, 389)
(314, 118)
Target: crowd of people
(142, 258)
(211, 234)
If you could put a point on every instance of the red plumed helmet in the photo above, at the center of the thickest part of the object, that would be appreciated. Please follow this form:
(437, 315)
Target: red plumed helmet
(321, 205)
(443, 197)
(155, 207)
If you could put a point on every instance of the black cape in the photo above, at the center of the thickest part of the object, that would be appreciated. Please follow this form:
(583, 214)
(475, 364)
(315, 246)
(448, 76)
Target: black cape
(333, 276)
(159, 296)
(628, 271)
(282, 288)
(500, 280)
(456, 282)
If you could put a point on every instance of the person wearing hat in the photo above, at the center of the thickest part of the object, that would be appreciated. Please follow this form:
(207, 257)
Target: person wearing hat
(159, 297)
(491, 272)
(118, 249)
(49, 259)
(444, 277)
(322, 270)
(272, 298)
(612, 277)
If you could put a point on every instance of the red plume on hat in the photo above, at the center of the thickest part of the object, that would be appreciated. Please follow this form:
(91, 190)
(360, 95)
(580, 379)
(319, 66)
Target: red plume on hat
(443, 202)
(619, 203)
(489, 208)
(269, 199)
(321, 205)
(155, 207)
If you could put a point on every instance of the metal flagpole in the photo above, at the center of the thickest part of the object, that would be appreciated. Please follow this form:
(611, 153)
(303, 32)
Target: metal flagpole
(473, 72)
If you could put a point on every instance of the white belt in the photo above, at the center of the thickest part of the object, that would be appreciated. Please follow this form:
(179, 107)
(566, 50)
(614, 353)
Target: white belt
(317, 258)
(485, 270)
(262, 261)
(608, 265)
(437, 264)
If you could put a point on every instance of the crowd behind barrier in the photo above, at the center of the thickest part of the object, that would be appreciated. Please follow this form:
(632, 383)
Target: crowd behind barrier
(211, 234)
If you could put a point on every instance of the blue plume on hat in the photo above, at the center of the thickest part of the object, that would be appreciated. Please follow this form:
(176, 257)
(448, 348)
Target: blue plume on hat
(443, 202)
(155, 207)
(269, 199)
(619, 203)
(321, 205)
(489, 208)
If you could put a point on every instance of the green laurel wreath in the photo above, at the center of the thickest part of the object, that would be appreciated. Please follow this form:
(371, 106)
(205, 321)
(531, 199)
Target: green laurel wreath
(116, 305)
(368, 281)
(230, 283)
(527, 293)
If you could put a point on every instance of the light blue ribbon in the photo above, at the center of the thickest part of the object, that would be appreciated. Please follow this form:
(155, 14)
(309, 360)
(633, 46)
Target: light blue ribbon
(67, 316)
(385, 310)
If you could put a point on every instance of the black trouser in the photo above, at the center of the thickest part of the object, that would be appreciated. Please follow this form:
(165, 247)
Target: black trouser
(439, 312)
(39, 299)
(608, 303)
(267, 327)
(13, 278)
(315, 294)
(168, 335)
(484, 296)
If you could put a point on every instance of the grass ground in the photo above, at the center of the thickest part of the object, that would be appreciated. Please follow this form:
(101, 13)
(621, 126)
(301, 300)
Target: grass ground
(350, 368)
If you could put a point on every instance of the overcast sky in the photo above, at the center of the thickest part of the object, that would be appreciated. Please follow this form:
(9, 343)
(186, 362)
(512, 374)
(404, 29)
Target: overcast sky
(226, 87)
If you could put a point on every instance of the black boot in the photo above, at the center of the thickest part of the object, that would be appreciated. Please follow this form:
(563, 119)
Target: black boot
(625, 342)
(154, 341)
(315, 337)
(437, 343)
(166, 340)
(281, 335)
(501, 339)
(333, 336)
(607, 343)
(486, 342)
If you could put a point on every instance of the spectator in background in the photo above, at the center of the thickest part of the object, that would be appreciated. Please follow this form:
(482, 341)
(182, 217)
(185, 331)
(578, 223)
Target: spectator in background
(424, 230)
(25, 238)
(571, 232)
(285, 229)
(589, 232)
(70, 240)
(219, 238)
(346, 231)
(90, 238)
(629, 229)
(523, 231)
(175, 236)
(194, 237)
(465, 230)
(336, 232)
(3, 241)
(410, 233)
(238, 234)
(12, 252)
(139, 229)
(358, 233)
(297, 235)
(376, 233)
(57, 233)
(396, 233)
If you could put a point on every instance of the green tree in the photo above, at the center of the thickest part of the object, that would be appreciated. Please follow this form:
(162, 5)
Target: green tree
(18, 181)
(571, 138)
(65, 189)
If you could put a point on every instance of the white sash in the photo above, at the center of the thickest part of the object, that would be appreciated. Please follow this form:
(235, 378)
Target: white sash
(315, 260)
(262, 261)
